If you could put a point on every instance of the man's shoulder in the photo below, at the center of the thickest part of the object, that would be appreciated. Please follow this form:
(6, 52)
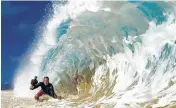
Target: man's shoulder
(50, 84)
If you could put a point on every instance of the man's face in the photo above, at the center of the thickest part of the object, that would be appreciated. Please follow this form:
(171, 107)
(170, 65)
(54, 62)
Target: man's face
(46, 81)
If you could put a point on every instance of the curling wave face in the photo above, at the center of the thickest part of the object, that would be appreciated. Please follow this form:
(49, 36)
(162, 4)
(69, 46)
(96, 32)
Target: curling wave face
(123, 53)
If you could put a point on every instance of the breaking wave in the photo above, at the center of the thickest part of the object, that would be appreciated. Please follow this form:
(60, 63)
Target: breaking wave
(123, 53)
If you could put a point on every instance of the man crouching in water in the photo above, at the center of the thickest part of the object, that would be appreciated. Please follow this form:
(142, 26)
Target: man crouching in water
(46, 87)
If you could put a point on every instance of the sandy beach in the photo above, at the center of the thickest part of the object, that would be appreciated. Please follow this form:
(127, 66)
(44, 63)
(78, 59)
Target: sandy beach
(8, 100)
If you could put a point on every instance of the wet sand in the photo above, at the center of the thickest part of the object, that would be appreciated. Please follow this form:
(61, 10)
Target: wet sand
(8, 100)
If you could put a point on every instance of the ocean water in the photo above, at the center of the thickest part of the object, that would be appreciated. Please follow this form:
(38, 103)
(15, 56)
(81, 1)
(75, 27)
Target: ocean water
(123, 52)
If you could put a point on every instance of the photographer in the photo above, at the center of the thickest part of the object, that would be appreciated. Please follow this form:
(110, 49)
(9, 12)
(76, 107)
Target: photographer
(46, 87)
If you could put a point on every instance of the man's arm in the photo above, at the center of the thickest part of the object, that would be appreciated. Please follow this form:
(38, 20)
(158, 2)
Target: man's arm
(52, 92)
(35, 86)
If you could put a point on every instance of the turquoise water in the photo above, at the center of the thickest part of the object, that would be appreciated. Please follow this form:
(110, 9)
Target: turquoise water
(152, 11)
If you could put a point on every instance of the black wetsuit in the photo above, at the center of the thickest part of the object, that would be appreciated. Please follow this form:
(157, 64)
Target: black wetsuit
(48, 89)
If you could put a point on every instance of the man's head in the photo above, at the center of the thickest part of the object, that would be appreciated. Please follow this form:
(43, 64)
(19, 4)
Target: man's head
(46, 80)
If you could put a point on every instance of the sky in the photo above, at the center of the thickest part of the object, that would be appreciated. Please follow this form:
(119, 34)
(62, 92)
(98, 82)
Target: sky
(19, 23)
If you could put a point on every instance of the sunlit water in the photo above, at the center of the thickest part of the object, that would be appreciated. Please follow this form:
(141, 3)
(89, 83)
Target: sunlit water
(124, 53)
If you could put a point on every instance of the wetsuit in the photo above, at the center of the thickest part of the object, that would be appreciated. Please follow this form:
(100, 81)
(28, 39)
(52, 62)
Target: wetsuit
(46, 89)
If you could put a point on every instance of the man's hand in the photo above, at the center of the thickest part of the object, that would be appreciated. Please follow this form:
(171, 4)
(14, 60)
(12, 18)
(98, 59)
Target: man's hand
(32, 87)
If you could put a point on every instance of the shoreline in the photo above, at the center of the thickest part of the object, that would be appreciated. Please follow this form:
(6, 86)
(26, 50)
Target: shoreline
(8, 100)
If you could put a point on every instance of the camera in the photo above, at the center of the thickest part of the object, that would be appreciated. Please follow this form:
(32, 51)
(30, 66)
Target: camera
(34, 81)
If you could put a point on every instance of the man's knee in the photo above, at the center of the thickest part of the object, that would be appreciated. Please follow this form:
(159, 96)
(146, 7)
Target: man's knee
(40, 93)
(36, 97)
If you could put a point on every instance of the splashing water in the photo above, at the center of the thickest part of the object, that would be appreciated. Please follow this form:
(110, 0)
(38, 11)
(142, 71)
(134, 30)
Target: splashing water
(123, 52)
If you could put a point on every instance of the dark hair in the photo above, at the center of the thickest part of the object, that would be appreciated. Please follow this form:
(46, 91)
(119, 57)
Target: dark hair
(46, 77)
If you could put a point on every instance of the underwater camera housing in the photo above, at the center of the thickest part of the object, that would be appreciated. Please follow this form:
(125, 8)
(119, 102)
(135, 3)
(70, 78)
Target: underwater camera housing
(34, 81)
